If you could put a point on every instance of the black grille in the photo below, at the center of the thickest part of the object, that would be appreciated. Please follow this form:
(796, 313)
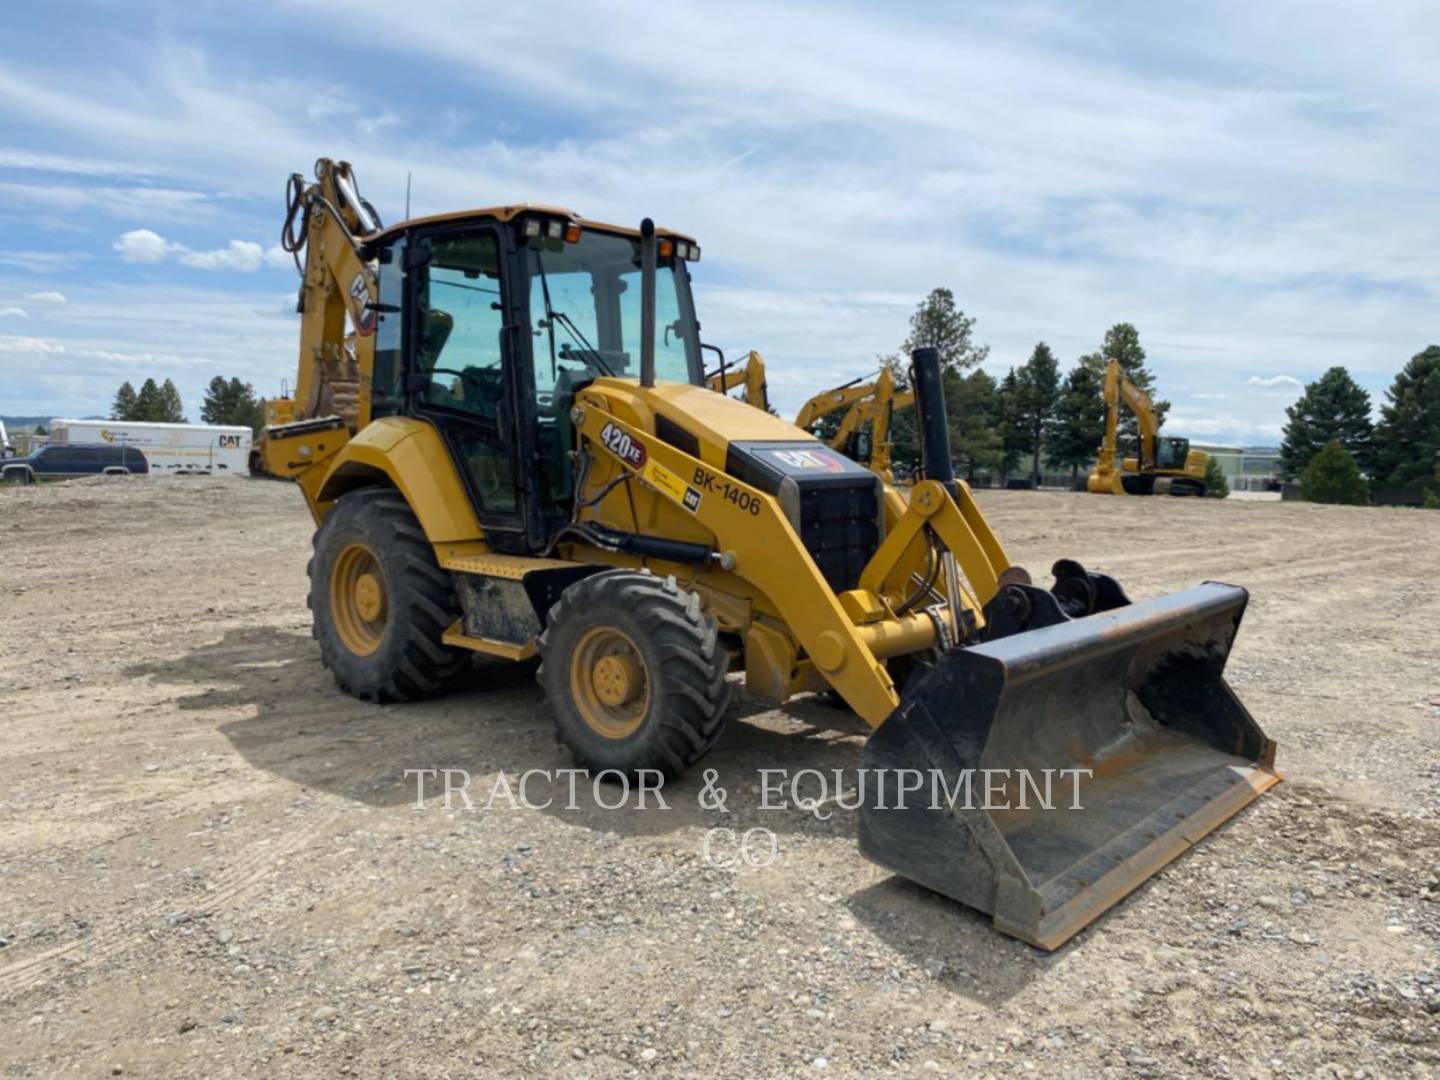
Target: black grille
(838, 527)
(839, 501)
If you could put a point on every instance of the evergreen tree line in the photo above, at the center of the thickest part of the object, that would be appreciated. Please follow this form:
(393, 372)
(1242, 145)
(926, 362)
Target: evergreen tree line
(1332, 447)
(227, 401)
(1009, 426)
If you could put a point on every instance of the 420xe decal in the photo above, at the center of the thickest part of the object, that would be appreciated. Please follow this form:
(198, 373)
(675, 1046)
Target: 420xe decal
(619, 443)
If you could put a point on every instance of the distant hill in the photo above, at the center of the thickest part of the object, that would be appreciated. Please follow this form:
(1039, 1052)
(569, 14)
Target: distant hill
(31, 421)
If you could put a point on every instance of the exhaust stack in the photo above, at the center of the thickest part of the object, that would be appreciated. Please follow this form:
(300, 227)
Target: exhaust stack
(935, 451)
(647, 303)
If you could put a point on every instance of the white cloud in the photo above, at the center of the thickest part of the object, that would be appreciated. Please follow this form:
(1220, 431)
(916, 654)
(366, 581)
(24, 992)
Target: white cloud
(1244, 185)
(1274, 380)
(144, 246)
(45, 297)
(30, 346)
(12, 157)
(43, 262)
(66, 201)
(13, 312)
(244, 256)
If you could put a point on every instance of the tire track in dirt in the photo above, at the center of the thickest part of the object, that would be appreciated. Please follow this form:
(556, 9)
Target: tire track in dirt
(111, 942)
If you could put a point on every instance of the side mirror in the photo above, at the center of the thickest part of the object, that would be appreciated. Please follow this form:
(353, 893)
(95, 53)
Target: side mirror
(417, 256)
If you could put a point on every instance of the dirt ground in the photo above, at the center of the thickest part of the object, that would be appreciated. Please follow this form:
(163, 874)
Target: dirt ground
(211, 861)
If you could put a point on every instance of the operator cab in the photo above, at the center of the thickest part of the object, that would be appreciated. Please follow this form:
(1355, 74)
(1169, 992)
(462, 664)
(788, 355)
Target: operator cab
(1171, 452)
(488, 324)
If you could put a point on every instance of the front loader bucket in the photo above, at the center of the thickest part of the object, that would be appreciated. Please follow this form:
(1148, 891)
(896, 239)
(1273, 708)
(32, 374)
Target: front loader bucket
(1134, 697)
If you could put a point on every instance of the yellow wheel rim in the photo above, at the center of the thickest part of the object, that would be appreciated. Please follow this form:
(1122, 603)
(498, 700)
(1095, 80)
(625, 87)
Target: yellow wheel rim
(357, 599)
(609, 682)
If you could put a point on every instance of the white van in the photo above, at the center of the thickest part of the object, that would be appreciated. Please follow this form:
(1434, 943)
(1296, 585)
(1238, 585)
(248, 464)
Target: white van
(171, 449)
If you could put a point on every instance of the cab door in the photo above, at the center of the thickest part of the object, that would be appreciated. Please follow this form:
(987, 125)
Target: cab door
(460, 367)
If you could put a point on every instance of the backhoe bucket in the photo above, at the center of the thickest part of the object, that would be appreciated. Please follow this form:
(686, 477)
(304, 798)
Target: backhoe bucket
(1124, 715)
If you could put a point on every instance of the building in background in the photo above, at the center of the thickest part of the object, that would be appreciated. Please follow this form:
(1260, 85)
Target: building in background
(1246, 468)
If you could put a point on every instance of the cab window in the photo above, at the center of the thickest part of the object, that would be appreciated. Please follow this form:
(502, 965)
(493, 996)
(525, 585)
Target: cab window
(457, 344)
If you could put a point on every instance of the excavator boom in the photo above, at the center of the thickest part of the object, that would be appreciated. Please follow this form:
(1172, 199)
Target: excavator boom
(863, 432)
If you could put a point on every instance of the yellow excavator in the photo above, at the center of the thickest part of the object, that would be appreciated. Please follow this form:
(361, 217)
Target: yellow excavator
(863, 433)
(1166, 465)
(750, 376)
(535, 471)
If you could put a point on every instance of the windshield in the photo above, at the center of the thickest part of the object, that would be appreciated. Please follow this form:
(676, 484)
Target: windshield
(585, 311)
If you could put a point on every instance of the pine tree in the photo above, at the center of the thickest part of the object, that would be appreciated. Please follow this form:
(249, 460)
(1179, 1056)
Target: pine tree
(232, 402)
(1407, 439)
(1037, 400)
(218, 403)
(171, 410)
(972, 404)
(1334, 406)
(147, 402)
(1012, 429)
(1216, 486)
(124, 406)
(1079, 424)
(1333, 477)
(938, 323)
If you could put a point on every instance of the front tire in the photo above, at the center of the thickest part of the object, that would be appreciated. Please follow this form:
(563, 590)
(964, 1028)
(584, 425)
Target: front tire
(380, 601)
(635, 673)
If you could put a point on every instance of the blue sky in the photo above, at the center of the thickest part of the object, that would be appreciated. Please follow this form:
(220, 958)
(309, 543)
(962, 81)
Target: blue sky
(1252, 185)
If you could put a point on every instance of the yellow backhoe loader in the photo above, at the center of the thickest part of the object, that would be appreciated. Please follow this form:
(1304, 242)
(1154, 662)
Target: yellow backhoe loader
(750, 376)
(534, 473)
(863, 433)
(1166, 465)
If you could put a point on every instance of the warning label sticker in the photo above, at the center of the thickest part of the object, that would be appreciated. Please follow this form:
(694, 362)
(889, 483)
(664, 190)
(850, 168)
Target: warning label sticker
(662, 479)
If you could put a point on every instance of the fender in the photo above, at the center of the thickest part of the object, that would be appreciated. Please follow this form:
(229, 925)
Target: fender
(409, 455)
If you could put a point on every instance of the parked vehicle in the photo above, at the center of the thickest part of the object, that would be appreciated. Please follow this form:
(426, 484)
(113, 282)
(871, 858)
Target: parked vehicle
(170, 449)
(60, 462)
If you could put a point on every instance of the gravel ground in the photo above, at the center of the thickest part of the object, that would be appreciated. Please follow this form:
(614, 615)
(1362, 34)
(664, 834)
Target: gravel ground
(211, 861)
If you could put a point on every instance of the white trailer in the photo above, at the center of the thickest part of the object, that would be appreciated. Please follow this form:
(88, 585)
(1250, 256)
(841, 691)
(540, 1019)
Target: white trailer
(171, 449)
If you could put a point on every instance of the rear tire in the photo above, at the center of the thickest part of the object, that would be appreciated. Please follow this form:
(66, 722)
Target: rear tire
(380, 601)
(635, 673)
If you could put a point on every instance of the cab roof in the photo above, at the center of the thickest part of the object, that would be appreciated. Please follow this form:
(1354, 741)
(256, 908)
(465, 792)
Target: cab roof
(510, 213)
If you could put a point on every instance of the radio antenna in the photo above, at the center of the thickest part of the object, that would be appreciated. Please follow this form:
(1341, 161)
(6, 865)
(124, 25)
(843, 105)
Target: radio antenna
(407, 194)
